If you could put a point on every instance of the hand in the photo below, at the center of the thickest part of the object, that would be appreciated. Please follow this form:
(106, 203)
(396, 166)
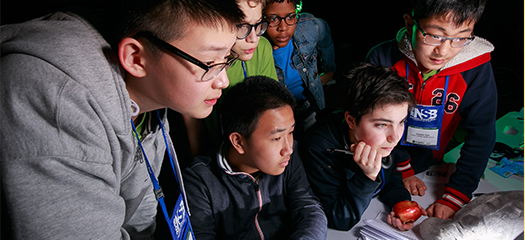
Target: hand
(415, 186)
(367, 159)
(396, 222)
(440, 211)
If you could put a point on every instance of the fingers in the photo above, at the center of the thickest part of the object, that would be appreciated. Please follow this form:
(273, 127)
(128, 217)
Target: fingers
(407, 226)
(368, 159)
(430, 210)
(421, 188)
(442, 211)
(413, 189)
(423, 211)
(396, 222)
(365, 155)
(415, 186)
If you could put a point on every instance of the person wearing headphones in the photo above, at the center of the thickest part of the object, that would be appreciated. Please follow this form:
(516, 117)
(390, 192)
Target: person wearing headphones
(299, 40)
(349, 158)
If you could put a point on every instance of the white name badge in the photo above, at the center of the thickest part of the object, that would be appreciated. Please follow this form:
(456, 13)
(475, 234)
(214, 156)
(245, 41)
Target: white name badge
(422, 136)
(423, 127)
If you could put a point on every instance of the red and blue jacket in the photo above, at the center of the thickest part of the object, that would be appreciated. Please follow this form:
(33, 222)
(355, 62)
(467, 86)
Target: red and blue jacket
(471, 102)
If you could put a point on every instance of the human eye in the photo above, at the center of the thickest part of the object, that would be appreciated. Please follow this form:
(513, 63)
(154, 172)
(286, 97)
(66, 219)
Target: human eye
(209, 63)
(290, 16)
(380, 125)
(435, 37)
(243, 26)
(276, 139)
(460, 40)
(272, 18)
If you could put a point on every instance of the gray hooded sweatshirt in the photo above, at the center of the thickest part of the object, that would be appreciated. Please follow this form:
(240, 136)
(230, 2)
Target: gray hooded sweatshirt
(70, 165)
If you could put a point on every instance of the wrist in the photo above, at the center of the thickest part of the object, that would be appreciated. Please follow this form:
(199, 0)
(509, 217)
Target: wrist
(453, 199)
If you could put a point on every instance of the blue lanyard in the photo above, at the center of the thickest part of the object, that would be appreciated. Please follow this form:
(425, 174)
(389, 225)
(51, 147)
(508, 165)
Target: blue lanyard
(156, 187)
(444, 92)
(244, 69)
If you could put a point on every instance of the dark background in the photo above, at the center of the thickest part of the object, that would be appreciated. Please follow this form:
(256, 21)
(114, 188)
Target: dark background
(356, 27)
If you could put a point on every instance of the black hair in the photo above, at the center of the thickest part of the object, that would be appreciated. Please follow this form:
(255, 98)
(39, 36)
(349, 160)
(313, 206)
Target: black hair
(371, 86)
(244, 103)
(169, 19)
(295, 2)
(462, 10)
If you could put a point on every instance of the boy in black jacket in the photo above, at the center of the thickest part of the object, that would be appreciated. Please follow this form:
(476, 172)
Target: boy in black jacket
(344, 157)
(255, 186)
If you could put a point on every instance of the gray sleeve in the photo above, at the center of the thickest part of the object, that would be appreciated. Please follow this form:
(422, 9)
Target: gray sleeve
(58, 168)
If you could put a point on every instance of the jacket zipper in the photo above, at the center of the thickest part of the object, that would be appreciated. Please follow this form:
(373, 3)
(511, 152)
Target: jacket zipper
(261, 234)
(420, 91)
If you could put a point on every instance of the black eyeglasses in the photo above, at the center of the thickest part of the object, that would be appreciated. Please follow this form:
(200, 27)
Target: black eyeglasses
(290, 19)
(211, 71)
(436, 40)
(243, 30)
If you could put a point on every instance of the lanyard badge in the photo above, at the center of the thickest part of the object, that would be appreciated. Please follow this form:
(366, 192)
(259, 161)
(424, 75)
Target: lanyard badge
(423, 126)
(179, 222)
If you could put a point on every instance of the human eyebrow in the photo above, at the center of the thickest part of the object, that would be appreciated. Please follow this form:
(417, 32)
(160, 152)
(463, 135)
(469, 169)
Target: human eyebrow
(444, 30)
(277, 15)
(382, 120)
(279, 130)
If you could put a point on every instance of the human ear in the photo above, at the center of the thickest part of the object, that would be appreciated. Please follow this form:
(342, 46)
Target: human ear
(409, 23)
(350, 120)
(237, 142)
(131, 57)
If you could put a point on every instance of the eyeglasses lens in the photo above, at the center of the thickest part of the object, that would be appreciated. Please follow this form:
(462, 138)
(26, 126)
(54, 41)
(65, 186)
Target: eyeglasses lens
(243, 30)
(438, 40)
(215, 69)
(290, 19)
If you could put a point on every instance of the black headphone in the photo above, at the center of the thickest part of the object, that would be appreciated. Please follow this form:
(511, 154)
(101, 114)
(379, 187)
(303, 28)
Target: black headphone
(502, 150)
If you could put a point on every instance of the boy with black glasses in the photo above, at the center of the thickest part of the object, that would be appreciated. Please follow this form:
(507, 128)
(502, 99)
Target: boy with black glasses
(84, 127)
(255, 59)
(449, 72)
(299, 42)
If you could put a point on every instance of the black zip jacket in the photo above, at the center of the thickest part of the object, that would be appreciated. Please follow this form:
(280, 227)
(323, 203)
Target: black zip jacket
(343, 189)
(234, 205)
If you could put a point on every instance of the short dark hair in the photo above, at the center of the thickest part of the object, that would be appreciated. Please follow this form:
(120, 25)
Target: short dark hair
(169, 19)
(280, 1)
(462, 10)
(295, 2)
(244, 103)
(371, 86)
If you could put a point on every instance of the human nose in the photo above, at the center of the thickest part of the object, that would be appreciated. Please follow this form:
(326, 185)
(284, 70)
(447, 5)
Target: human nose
(221, 81)
(282, 25)
(444, 47)
(252, 36)
(287, 146)
(396, 133)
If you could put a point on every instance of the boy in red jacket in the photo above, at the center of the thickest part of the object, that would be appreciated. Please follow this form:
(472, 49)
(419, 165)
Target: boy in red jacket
(439, 56)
